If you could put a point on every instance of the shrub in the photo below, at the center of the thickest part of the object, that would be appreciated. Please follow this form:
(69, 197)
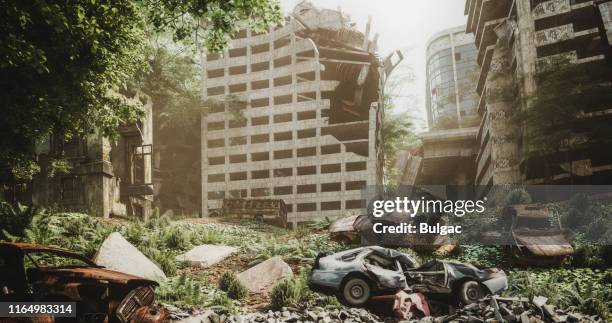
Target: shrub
(517, 196)
(175, 237)
(230, 284)
(286, 293)
(221, 303)
(181, 290)
(15, 219)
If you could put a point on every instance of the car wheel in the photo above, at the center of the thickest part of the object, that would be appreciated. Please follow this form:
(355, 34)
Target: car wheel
(355, 292)
(470, 292)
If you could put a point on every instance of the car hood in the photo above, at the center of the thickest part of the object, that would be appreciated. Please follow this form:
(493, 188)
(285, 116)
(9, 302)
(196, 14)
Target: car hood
(96, 273)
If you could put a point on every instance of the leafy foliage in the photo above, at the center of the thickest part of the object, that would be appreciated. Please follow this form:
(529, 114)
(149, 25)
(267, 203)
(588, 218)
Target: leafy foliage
(230, 284)
(214, 22)
(286, 293)
(62, 66)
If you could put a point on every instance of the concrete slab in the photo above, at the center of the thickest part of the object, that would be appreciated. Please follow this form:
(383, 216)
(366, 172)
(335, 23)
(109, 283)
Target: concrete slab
(206, 255)
(264, 276)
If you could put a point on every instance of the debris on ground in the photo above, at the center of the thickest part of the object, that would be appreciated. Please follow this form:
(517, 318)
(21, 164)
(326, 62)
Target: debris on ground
(118, 254)
(206, 255)
(262, 277)
(513, 309)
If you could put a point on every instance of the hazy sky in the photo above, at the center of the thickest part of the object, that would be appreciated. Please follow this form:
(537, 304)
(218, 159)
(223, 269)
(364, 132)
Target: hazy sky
(405, 25)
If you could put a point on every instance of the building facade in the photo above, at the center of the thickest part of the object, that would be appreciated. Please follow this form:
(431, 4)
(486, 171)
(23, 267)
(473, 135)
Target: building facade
(516, 41)
(104, 178)
(451, 80)
(302, 116)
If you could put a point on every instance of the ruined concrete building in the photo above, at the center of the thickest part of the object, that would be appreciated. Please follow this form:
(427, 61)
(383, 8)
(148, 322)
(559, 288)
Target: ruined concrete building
(517, 40)
(105, 178)
(307, 125)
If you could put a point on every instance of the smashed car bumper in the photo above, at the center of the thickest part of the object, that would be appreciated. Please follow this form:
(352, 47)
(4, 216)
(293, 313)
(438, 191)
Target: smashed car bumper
(497, 285)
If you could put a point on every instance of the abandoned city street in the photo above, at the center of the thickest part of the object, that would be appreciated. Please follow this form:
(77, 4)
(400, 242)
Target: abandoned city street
(306, 161)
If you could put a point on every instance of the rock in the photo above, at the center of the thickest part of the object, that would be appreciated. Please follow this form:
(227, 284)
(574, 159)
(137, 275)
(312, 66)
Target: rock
(206, 317)
(118, 254)
(206, 255)
(262, 277)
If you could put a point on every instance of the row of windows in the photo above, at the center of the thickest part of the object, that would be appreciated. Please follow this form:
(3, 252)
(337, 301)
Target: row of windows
(261, 138)
(277, 100)
(255, 49)
(287, 172)
(262, 120)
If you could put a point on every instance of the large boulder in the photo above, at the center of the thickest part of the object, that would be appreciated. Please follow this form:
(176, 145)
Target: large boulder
(118, 254)
(262, 277)
(206, 255)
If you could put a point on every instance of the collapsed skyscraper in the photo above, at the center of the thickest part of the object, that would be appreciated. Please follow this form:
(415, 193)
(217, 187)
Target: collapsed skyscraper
(302, 119)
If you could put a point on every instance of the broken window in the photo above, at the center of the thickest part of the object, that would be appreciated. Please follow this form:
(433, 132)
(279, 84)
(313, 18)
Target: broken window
(237, 52)
(260, 103)
(216, 143)
(304, 189)
(258, 67)
(241, 34)
(216, 125)
(258, 85)
(260, 156)
(237, 123)
(216, 160)
(234, 159)
(330, 168)
(307, 133)
(238, 176)
(283, 136)
(283, 190)
(216, 73)
(280, 118)
(306, 207)
(259, 192)
(355, 166)
(235, 70)
(212, 57)
(141, 156)
(235, 88)
(217, 90)
(283, 172)
(304, 77)
(68, 188)
(306, 152)
(306, 115)
(259, 174)
(354, 204)
(330, 149)
(261, 48)
(216, 195)
(282, 154)
(355, 185)
(306, 96)
(333, 205)
(238, 194)
(284, 99)
(237, 141)
(282, 42)
(258, 121)
(216, 178)
(283, 61)
(258, 139)
(307, 170)
(216, 108)
(285, 80)
(331, 187)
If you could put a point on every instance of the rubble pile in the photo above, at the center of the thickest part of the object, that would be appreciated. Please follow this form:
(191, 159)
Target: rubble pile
(314, 315)
(285, 315)
(513, 309)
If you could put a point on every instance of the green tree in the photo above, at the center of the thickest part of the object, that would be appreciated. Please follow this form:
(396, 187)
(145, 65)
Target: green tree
(65, 65)
(211, 21)
(62, 67)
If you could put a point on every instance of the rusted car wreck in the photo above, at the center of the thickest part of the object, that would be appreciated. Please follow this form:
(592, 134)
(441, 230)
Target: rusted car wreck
(31, 272)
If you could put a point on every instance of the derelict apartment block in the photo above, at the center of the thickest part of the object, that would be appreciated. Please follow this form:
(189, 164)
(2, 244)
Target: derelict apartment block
(521, 38)
(301, 119)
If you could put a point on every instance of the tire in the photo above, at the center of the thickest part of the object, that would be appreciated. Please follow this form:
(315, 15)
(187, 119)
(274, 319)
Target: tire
(470, 292)
(355, 292)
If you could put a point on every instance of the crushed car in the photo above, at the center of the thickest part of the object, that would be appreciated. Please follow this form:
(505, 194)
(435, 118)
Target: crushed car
(356, 275)
(32, 272)
(533, 237)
